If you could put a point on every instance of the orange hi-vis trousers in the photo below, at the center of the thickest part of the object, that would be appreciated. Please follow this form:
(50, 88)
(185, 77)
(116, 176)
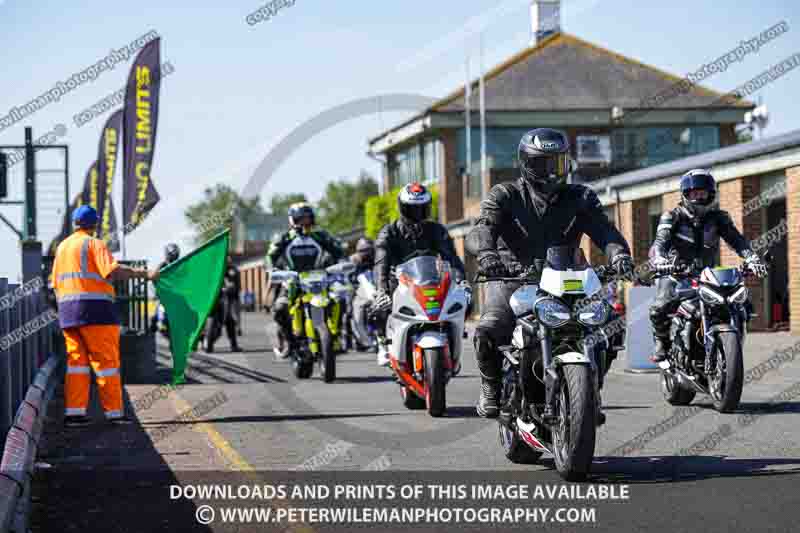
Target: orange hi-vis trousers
(93, 348)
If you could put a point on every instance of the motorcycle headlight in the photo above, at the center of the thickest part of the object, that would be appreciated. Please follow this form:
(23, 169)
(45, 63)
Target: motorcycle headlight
(711, 297)
(594, 314)
(552, 313)
(740, 296)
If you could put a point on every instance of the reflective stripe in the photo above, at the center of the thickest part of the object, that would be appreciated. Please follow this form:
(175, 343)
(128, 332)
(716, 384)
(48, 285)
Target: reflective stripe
(84, 272)
(72, 411)
(86, 296)
(83, 275)
(78, 369)
(684, 237)
(114, 414)
(107, 372)
(85, 255)
(663, 226)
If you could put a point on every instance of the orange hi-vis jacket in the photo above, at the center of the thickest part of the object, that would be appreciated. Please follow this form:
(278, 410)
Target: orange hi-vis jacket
(85, 296)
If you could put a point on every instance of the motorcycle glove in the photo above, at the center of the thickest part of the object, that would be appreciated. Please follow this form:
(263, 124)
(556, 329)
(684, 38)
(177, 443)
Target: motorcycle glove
(383, 303)
(662, 265)
(491, 266)
(623, 266)
(756, 265)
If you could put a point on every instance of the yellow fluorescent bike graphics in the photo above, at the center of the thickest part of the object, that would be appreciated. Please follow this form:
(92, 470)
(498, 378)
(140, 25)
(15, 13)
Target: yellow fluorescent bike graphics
(302, 324)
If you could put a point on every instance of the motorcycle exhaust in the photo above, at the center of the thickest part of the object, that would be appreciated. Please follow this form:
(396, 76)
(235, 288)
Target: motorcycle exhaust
(686, 380)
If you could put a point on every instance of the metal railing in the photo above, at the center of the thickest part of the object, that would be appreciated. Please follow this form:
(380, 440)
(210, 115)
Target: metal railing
(131, 300)
(29, 333)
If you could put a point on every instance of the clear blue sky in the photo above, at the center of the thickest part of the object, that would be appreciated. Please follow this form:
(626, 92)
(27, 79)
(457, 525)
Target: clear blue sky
(238, 89)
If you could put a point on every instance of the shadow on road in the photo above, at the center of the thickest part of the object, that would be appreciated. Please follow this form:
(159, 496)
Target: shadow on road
(216, 369)
(660, 469)
(364, 379)
(106, 478)
(277, 418)
(766, 408)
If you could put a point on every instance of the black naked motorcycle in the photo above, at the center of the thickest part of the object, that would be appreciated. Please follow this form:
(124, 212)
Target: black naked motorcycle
(707, 331)
(554, 368)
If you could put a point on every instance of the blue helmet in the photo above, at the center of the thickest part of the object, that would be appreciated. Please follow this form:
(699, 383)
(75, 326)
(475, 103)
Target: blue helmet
(84, 217)
(702, 179)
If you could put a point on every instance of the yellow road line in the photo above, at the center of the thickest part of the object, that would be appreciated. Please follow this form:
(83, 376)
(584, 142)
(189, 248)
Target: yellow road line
(238, 462)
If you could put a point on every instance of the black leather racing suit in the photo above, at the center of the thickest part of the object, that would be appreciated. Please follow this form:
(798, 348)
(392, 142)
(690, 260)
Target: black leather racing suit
(680, 234)
(517, 222)
(224, 313)
(399, 241)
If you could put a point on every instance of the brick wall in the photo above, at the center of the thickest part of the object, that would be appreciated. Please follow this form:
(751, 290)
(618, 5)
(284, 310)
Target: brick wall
(670, 200)
(451, 187)
(793, 221)
(733, 195)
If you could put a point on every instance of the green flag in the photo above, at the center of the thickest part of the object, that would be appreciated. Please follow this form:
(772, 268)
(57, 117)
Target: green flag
(188, 290)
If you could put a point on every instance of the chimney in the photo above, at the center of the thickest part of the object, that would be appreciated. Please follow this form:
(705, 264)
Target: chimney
(545, 19)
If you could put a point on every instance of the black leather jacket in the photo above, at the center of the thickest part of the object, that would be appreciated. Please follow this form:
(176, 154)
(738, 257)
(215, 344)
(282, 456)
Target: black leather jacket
(518, 223)
(396, 243)
(679, 233)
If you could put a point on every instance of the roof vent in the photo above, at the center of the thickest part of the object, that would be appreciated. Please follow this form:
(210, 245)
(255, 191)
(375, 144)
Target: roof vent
(545, 19)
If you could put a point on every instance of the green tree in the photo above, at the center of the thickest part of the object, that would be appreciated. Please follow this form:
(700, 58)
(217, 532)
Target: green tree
(215, 212)
(279, 203)
(342, 206)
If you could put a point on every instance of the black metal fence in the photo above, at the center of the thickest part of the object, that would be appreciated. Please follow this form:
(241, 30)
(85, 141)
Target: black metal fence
(132, 301)
(29, 334)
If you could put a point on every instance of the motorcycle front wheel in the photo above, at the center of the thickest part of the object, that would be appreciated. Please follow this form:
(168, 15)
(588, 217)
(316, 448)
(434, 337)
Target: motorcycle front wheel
(436, 399)
(574, 436)
(327, 360)
(726, 387)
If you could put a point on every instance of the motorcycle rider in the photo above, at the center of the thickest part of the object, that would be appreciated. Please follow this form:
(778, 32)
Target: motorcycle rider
(300, 249)
(224, 313)
(398, 241)
(364, 256)
(690, 234)
(518, 222)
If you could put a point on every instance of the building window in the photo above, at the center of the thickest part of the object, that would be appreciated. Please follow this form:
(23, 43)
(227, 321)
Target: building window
(634, 148)
(431, 156)
(593, 149)
(406, 166)
(654, 212)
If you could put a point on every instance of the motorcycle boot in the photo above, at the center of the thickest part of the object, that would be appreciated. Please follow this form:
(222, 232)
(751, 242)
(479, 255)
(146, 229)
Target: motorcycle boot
(489, 368)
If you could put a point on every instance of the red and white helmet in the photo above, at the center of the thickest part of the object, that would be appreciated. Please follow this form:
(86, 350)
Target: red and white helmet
(414, 203)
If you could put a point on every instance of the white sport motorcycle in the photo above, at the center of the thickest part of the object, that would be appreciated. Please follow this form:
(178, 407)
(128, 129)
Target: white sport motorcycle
(554, 367)
(426, 328)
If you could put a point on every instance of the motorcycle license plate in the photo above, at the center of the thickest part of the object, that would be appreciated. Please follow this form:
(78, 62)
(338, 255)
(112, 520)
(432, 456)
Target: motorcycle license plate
(573, 285)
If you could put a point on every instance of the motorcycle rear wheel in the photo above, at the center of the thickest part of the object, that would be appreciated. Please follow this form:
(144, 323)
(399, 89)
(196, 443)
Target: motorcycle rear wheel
(302, 369)
(411, 400)
(515, 449)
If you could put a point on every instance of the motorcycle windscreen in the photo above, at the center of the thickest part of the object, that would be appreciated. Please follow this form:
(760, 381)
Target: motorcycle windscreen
(426, 270)
(727, 277)
(566, 258)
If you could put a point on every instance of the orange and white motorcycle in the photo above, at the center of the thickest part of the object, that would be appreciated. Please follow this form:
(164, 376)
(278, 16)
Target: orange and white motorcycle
(426, 329)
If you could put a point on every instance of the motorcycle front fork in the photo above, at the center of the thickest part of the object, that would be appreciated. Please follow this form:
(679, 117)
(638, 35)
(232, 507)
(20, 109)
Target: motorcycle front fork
(552, 377)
